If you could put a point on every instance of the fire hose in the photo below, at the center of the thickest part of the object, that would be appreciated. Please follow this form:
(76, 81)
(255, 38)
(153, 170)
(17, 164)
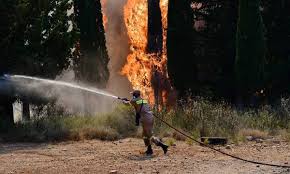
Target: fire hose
(185, 134)
(217, 150)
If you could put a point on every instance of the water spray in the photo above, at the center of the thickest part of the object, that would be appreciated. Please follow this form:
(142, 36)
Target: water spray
(61, 83)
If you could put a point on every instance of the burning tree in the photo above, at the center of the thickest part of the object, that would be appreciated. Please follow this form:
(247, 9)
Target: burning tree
(146, 66)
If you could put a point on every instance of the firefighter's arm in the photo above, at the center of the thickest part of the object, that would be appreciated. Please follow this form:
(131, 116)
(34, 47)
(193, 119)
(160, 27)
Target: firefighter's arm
(125, 101)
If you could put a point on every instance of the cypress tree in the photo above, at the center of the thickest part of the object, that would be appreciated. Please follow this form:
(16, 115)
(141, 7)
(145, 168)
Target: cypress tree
(276, 16)
(92, 65)
(250, 55)
(181, 62)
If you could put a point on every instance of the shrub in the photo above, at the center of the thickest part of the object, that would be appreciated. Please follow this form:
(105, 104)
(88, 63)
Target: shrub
(111, 126)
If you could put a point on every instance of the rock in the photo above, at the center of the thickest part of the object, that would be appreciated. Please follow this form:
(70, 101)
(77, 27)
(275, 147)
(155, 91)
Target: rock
(259, 140)
(249, 138)
(113, 172)
(228, 147)
(214, 140)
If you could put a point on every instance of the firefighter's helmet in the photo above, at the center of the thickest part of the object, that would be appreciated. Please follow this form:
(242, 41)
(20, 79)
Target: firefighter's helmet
(136, 93)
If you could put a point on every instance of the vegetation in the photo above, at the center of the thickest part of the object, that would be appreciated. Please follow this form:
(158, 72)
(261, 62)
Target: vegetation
(91, 64)
(111, 126)
(229, 50)
(199, 117)
(45, 37)
(235, 53)
(250, 59)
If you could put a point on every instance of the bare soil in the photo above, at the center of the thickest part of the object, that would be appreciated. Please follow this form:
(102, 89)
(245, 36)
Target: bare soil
(125, 156)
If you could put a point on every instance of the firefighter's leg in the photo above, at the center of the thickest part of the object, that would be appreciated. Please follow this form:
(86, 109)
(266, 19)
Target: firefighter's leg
(147, 133)
(159, 143)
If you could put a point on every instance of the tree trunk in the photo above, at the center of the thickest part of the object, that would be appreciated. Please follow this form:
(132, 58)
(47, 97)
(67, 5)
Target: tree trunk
(155, 34)
(25, 110)
(6, 113)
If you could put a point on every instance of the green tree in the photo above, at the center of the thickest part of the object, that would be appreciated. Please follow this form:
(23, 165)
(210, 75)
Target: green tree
(181, 60)
(36, 39)
(276, 16)
(201, 38)
(213, 40)
(250, 58)
(92, 65)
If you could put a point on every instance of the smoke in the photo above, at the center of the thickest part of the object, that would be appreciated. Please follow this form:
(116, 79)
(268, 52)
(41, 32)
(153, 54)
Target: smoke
(72, 100)
(117, 44)
(77, 101)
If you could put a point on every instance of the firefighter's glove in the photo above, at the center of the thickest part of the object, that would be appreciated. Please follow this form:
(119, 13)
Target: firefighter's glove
(125, 100)
(137, 119)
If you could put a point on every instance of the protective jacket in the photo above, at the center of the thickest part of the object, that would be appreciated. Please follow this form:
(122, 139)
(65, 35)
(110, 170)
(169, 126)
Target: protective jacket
(143, 110)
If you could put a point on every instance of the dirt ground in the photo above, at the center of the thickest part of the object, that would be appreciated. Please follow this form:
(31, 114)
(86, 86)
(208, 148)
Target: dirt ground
(125, 156)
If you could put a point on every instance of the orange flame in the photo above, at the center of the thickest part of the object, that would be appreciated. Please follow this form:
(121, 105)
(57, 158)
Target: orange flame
(141, 67)
(105, 18)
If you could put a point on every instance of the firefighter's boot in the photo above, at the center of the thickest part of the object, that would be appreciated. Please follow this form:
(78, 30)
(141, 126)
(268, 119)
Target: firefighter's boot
(163, 146)
(149, 150)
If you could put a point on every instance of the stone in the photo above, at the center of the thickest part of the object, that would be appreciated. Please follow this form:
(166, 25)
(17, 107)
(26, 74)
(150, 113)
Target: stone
(113, 172)
(228, 147)
(249, 138)
(214, 140)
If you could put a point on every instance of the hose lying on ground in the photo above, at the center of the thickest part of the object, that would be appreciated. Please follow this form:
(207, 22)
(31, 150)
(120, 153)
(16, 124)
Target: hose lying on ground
(217, 150)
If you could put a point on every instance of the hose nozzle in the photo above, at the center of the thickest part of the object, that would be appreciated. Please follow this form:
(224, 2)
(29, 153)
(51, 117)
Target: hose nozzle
(123, 99)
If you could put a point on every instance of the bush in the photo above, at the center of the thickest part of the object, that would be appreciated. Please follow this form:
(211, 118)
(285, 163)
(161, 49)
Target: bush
(201, 117)
(111, 126)
(198, 117)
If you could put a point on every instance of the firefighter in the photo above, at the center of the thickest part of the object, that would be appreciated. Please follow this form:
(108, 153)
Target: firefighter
(144, 115)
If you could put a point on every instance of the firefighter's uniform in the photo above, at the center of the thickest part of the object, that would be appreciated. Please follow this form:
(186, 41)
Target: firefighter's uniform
(147, 120)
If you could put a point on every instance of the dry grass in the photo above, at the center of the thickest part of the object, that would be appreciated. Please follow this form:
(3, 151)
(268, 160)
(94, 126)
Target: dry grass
(285, 134)
(201, 117)
(197, 117)
(111, 126)
(254, 133)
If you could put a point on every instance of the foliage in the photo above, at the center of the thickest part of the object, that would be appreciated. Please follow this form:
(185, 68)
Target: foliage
(212, 63)
(91, 65)
(250, 59)
(111, 126)
(277, 21)
(179, 45)
(36, 37)
(200, 117)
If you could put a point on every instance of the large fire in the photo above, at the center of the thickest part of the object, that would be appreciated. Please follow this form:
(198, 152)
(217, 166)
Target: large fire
(144, 70)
